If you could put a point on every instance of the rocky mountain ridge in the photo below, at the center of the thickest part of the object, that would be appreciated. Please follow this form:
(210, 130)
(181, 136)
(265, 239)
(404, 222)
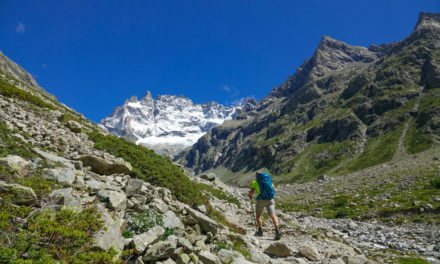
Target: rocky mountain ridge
(168, 123)
(346, 108)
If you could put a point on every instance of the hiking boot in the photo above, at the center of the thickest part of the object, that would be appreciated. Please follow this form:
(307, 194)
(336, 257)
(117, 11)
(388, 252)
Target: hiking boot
(259, 232)
(277, 234)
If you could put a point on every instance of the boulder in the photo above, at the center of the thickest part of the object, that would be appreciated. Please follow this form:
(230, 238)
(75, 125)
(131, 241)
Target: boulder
(116, 200)
(64, 176)
(53, 159)
(66, 198)
(170, 220)
(309, 252)
(74, 126)
(208, 177)
(110, 235)
(208, 258)
(183, 259)
(20, 195)
(240, 261)
(360, 259)
(278, 249)
(227, 256)
(206, 223)
(14, 163)
(160, 250)
(133, 185)
(106, 166)
(142, 241)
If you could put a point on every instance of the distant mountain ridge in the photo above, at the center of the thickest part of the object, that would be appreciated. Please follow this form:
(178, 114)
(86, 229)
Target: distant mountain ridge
(169, 123)
(346, 108)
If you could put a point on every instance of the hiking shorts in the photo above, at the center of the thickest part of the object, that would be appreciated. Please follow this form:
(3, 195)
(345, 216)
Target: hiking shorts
(268, 204)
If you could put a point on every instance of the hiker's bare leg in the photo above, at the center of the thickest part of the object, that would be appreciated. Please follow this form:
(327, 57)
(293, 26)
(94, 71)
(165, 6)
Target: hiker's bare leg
(274, 219)
(259, 221)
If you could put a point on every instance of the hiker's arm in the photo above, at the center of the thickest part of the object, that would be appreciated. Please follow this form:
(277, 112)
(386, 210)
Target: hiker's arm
(251, 193)
(274, 188)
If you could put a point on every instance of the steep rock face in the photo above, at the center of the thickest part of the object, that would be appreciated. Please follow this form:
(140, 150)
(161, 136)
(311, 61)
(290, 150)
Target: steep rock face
(168, 123)
(341, 105)
(16, 71)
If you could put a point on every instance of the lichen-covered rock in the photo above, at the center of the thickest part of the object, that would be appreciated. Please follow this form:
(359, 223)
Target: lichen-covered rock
(74, 126)
(64, 176)
(170, 220)
(309, 252)
(106, 166)
(116, 200)
(66, 198)
(20, 195)
(142, 241)
(160, 250)
(278, 249)
(14, 163)
(110, 235)
(208, 258)
(206, 223)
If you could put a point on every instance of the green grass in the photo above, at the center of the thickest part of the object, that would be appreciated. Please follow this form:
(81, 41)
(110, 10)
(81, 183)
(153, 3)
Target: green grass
(220, 194)
(417, 140)
(151, 167)
(411, 260)
(9, 90)
(315, 160)
(367, 201)
(377, 151)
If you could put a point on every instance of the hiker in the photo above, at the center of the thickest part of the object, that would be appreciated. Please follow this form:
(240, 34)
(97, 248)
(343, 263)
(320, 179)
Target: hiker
(266, 193)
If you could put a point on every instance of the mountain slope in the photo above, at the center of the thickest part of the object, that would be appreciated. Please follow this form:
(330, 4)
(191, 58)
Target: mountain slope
(168, 124)
(346, 108)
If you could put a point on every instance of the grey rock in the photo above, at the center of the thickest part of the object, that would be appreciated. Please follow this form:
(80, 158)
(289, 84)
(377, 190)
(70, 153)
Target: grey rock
(110, 235)
(106, 166)
(170, 220)
(14, 163)
(278, 249)
(21, 195)
(183, 259)
(208, 258)
(227, 256)
(133, 185)
(64, 176)
(53, 159)
(160, 250)
(240, 261)
(208, 177)
(74, 126)
(206, 223)
(309, 251)
(359, 259)
(142, 241)
(116, 200)
(258, 257)
(66, 198)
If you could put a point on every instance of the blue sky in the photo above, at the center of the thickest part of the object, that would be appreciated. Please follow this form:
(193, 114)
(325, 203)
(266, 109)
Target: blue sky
(95, 54)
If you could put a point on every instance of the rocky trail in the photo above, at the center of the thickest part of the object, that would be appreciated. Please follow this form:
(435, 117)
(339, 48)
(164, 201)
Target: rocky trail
(308, 239)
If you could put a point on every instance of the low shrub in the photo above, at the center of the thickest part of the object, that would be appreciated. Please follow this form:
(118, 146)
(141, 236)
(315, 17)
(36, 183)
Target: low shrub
(140, 223)
(11, 145)
(151, 167)
(50, 237)
(9, 90)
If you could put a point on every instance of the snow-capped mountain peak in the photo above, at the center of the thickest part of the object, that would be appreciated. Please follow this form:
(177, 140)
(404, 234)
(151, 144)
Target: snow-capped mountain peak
(168, 123)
